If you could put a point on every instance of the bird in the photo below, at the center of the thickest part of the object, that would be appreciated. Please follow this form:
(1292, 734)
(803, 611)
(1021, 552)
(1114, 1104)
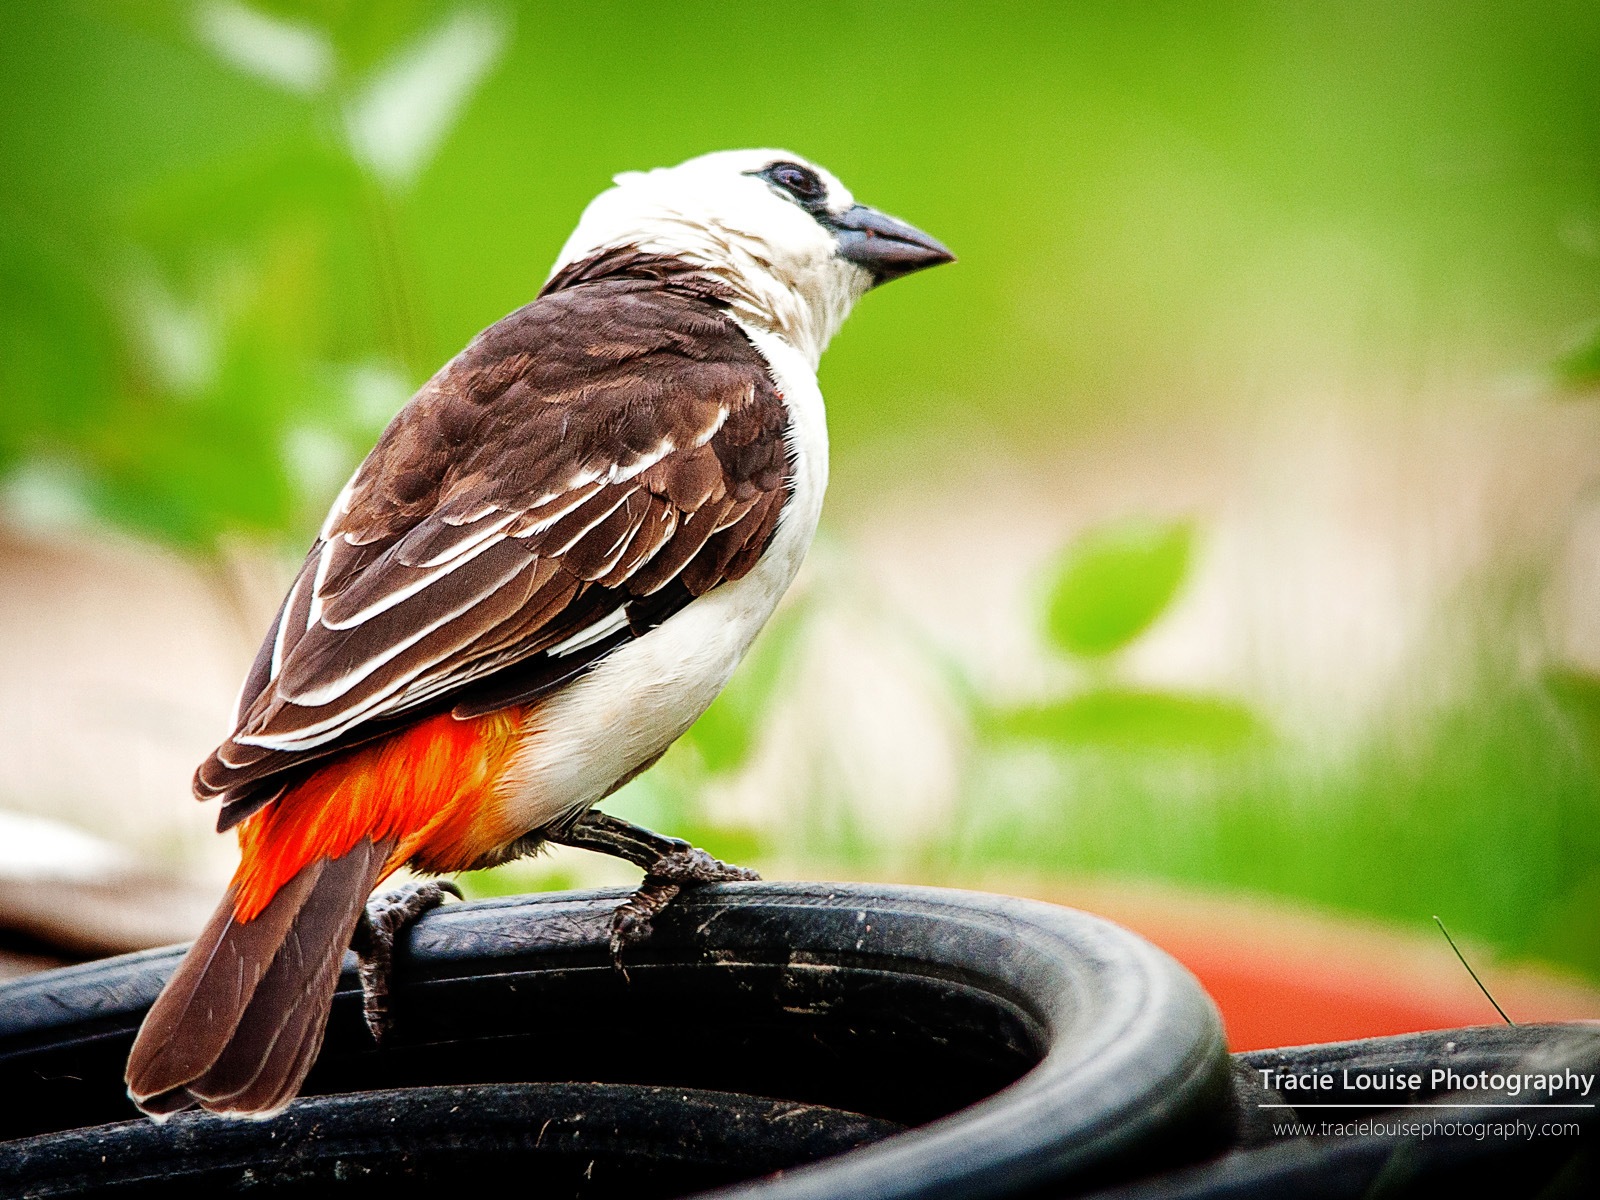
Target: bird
(545, 570)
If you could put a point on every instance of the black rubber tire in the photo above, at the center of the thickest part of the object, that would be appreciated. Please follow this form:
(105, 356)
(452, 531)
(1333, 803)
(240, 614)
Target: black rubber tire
(571, 1138)
(1031, 1047)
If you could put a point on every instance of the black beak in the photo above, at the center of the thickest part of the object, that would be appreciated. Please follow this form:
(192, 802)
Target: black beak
(884, 246)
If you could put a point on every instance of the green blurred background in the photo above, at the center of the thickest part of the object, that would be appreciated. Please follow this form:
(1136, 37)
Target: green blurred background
(1234, 278)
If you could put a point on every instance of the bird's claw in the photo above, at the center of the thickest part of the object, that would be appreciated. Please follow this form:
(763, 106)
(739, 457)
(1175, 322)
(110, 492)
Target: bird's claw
(683, 866)
(381, 923)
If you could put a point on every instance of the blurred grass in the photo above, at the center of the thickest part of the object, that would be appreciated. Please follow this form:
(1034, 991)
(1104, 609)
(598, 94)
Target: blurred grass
(1490, 816)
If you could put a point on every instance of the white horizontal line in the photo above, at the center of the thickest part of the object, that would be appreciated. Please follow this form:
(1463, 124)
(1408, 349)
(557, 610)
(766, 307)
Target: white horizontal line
(1314, 1104)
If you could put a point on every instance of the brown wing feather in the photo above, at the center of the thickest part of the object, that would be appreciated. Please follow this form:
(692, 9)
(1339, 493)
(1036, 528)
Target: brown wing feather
(618, 435)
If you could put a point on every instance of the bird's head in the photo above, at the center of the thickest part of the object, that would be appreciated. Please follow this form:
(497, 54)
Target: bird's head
(788, 239)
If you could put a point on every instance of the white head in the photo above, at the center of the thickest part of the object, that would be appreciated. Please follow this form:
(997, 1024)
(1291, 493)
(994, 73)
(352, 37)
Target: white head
(787, 238)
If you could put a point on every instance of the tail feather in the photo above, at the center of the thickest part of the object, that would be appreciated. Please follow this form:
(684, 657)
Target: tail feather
(238, 1026)
(191, 1021)
(290, 1005)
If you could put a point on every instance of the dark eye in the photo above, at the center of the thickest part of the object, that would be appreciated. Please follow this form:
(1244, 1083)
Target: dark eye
(800, 182)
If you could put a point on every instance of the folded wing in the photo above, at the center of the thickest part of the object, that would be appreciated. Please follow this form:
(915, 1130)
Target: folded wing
(582, 471)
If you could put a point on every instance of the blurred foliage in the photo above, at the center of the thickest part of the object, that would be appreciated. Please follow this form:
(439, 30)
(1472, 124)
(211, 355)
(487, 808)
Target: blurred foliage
(1581, 367)
(1488, 809)
(1135, 719)
(211, 352)
(1578, 695)
(216, 249)
(1490, 813)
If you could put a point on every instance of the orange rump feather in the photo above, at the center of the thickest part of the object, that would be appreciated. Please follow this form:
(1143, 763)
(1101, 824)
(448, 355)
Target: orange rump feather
(431, 790)
(239, 1024)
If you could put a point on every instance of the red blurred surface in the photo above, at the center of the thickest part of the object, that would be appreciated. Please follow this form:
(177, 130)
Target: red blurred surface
(1270, 999)
(1285, 975)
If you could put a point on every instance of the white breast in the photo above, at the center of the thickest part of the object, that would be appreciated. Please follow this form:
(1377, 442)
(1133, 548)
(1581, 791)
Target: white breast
(597, 732)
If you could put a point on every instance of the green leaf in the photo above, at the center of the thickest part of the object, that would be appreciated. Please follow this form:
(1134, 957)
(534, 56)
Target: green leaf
(1123, 717)
(1114, 582)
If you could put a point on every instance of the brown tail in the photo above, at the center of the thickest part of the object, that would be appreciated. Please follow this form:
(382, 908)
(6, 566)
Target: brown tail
(239, 1024)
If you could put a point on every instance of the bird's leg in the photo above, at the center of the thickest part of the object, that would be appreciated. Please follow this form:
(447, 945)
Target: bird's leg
(381, 922)
(669, 864)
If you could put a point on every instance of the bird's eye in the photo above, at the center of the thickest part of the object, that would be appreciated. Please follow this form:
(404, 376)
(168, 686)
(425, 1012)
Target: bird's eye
(800, 182)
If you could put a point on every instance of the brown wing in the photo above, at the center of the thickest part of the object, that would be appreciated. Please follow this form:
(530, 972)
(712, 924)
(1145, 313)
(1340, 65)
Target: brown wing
(585, 468)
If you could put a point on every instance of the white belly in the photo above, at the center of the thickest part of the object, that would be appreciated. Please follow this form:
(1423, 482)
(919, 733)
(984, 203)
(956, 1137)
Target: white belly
(587, 739)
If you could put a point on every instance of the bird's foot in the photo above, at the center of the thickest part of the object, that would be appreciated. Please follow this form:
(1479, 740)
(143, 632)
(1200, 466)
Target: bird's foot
(670, 865)
(683, 866)
(381, 923)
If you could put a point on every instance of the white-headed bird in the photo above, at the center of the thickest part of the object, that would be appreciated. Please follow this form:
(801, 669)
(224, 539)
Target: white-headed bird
(544, 572)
